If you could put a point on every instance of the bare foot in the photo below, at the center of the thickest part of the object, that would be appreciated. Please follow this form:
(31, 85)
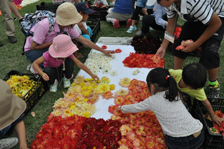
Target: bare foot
(78, 55)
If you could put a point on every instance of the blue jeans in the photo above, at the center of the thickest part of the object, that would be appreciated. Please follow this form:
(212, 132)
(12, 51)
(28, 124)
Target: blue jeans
(189, 142)
(4, 131)
(32, 55)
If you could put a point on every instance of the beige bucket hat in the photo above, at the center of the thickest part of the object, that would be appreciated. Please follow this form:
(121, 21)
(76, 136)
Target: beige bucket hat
(67, 14)
(11, 106)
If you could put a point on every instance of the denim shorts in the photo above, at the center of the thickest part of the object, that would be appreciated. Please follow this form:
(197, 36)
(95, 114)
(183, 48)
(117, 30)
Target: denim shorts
(189, 142)
(142, 3)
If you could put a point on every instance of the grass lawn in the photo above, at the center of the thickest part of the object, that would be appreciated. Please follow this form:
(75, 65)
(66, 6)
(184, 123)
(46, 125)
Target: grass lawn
(11, 58)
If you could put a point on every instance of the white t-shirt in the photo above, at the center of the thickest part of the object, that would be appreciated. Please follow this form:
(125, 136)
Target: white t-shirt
(173, 117)
(76, 27)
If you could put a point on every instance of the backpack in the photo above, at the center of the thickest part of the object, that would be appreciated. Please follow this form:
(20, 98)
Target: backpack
(30, 20)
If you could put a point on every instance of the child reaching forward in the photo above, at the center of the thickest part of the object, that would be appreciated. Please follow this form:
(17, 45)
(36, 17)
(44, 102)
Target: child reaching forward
(180, 128)
(59, 62)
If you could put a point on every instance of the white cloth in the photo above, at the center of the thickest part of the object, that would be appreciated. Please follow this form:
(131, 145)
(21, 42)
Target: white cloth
(173, 117)
(76, 27)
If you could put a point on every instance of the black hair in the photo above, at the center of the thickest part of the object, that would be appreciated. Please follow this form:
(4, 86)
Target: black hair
(194, 75)
(161, 78)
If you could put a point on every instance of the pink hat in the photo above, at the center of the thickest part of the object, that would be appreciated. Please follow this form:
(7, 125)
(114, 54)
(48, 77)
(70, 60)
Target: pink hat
(62, 46)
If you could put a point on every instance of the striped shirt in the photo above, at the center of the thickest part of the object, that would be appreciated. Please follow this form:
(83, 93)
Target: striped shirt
(196, 10)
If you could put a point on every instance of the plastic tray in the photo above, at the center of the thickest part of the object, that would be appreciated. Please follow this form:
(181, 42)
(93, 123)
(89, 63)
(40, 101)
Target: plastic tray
(35, 93)
(94, 24)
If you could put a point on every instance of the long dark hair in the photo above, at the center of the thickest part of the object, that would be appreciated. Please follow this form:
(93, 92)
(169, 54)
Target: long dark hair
(162, 80)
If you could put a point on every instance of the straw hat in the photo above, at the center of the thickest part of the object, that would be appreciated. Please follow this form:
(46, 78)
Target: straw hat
(62, 46)
(150, 2)
(67, 14)
(11, 106)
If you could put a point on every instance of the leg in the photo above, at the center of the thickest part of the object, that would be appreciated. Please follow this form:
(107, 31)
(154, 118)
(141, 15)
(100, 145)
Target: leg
(134, 18)
(178, 62)
(69, 67)
(52, 73)
(4, 131)
(20, 131)
(15, 10)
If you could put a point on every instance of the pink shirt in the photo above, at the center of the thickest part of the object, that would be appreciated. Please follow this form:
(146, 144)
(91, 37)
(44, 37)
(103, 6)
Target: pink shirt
(40, 31)
(53, 62)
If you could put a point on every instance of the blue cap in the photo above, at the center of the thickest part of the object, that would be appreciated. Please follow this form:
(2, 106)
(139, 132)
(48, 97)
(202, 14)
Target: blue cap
(84, 8)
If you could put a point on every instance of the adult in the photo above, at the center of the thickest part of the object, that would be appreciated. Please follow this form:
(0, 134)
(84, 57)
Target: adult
(11, 115)
(9, 24)
(15, 10)
(66, 18)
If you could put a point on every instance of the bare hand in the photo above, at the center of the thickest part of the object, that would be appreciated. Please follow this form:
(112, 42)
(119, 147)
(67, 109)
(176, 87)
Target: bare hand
(161, 52)
(95, 77)
(45, 77)
(217, 120)
(108, 52)
(119, 109)
(189, 47)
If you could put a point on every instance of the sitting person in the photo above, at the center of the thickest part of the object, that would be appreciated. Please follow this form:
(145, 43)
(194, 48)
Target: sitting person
(100, 3)
(82, 27)
(158, 20)
(140, 5)
(66, 18)
(59, 63)
(181, 130)
(11, 116)
(122, 11)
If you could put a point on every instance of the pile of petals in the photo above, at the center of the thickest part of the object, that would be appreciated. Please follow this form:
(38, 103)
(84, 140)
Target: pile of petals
(27, 2)
(18, 2)
(97, 62)
(139, 130)
(181, 47)
(177, 32)
(218, 129)
(77, 132)
(142, 60)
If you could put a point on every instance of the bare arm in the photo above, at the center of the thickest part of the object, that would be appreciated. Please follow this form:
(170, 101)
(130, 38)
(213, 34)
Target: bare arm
(36, 46)
(85, 68)
(215, 118)
(36, 66)
(213, 26)
(93, 45)
(162, 49)
(83, 29)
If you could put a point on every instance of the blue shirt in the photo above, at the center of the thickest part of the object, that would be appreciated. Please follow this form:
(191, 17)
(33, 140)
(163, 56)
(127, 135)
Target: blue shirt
(159, 12)
(123, 6)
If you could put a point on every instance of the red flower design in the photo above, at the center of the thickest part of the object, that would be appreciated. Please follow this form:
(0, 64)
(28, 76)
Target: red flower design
(104, 47)
(118, 51)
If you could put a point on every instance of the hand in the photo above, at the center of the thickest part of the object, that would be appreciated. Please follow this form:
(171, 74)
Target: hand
(95, 77)
(108, 52)
(119, 109)
(161, 52)
(189, 47)
(217, 120)
(45, 77)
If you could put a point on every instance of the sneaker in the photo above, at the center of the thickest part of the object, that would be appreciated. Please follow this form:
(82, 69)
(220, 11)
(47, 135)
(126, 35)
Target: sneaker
(12, 39)
(213, 91)
(67, 83)
(139, 33)
(8, 143)
(128, 23)
(116, 23)
(131, 29)
(54, 87)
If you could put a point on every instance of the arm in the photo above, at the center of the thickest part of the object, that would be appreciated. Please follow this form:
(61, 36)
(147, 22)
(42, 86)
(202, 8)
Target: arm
(36, 66)
(215, 118)
(213, 26)
(93, 45)
(105, 3)
(36, 46)
(86, 69)
(20, 131)
(83, 29)
(170, 29)
(159, 15)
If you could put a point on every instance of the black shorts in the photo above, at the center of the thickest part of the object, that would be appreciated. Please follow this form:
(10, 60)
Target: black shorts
(209, 56)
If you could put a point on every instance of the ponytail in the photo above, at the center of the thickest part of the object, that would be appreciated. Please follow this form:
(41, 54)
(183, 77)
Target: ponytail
(161, 77)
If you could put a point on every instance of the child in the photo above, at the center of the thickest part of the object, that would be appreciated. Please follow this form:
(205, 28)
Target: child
(205, 26)
(11, 116)
(122, 11)
(100, 3)
(140, 4)
(180, 128)
(191, 81)
(82, 27)
(58, 61)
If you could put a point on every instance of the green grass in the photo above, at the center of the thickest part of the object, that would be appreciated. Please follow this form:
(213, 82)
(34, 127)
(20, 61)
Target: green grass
(11, 58)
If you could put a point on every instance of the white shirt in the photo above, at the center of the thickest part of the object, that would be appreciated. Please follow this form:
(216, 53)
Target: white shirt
(173, 117)
(76, 27)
